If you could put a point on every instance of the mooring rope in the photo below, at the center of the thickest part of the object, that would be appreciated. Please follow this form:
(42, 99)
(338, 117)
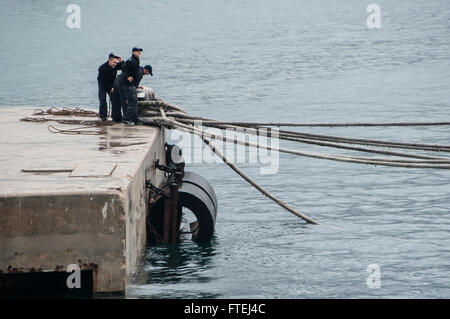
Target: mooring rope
(314, 138)
(69, 122)
(65, 111)
(347, 140)
(149, 111)
(160, 103)
(183, 117)
(343, 146)
(288, 124)
(74, 131)
(154, 112)
(170, 123)
(255, 185)
(320, 143)
(248, 179)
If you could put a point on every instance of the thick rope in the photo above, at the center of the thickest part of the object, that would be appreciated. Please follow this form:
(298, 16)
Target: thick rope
(74, 131)
(347, 140)
(384, 162)
(307, 138)
(68, 122)
(314, 142)
(286, 124)
(65, 111)
(158, 103)
(317, 137)
(248, 179)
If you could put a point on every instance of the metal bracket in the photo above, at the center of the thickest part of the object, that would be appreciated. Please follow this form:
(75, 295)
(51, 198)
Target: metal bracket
(164, 168)
(178, 171)
(154, 189)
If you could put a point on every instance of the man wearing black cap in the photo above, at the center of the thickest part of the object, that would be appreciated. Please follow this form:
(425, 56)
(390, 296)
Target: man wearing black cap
(106, 75)
(146, 70)
(130, 117)
(130, 73)
(131, 67)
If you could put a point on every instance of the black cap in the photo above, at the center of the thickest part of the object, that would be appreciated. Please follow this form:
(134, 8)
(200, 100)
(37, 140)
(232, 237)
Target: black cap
(112, 55)
(148, 67)
(136, 49)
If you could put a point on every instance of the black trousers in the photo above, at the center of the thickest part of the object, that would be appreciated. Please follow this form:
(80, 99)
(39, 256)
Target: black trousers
(119, 106)
(103, 108)
(131, 113)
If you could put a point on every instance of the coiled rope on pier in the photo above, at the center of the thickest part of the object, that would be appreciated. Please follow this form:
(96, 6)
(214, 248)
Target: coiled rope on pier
(65, 111)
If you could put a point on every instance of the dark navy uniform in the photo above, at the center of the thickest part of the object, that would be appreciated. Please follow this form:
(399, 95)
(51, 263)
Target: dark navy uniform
(119, 105)
(131, 113)
(131, 68)
(106, 77)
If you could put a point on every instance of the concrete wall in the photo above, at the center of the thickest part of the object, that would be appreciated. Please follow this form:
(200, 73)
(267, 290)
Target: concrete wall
(52, 231)
(137, 205)
(103, 230)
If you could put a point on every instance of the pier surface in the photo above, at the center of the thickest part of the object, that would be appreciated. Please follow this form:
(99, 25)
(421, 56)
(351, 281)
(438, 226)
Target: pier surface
(75, 198)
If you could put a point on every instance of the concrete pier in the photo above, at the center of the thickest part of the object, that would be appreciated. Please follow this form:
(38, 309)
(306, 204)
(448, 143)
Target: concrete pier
(75, 198)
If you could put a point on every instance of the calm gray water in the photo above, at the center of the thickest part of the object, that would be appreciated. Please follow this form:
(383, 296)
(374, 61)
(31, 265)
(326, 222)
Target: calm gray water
(287, 60)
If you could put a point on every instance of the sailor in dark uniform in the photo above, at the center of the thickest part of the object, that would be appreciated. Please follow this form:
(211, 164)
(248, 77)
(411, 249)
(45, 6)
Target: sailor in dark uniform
(118, 101)
(130, 72)
(131, 115)
(106, 76)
